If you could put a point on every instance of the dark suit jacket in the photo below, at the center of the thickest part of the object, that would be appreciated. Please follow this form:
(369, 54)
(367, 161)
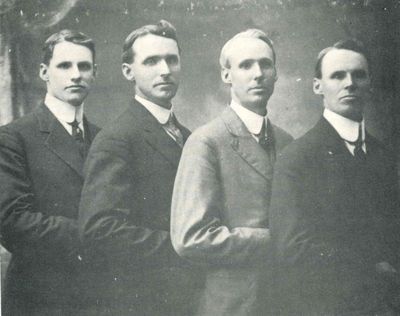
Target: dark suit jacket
(125, 216)
(41, 180)
(332, 222)
(220, 213)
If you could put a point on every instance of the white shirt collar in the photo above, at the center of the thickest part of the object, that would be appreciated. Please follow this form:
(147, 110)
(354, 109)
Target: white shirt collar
(161, 114)
(64, 111)
(346, 128)
(251, 120)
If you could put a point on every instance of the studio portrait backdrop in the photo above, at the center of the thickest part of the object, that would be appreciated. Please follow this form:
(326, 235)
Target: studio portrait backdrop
(299, 29)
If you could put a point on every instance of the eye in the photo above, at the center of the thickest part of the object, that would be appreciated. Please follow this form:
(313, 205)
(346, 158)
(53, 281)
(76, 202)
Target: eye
(172, 60)
(85, 66)
(245, 64)
(151, 61)
(266, 63)
(338, 75)
(360, 74)
(64, 65)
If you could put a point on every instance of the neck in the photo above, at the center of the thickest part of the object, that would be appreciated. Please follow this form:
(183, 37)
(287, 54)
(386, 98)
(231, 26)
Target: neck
(258, 108)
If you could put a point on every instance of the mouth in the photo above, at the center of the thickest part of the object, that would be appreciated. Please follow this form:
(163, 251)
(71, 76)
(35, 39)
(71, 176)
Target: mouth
(258, 89)
(164, 84)
(76, 87)
(350, 97)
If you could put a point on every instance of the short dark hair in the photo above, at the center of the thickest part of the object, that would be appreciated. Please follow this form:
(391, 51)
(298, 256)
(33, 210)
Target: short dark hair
(163, 28)
(66, 35)
(352, 44)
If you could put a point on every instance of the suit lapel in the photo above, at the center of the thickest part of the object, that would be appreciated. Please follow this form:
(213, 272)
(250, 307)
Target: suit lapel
(156, 136)
(59, 141)
(336, 157)
(245, 145)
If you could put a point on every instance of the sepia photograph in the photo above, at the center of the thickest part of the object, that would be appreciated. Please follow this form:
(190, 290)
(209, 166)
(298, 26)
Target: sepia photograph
(200, 158)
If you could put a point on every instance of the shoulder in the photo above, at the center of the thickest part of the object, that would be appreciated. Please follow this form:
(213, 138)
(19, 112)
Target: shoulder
(302, 151)
(211, 133)
(122, 128)
(20, 130)
(282, 137)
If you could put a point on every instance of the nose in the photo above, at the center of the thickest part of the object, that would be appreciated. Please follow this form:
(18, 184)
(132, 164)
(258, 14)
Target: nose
(257, 70)
(349, 80)
(75, 73)
(164, 68)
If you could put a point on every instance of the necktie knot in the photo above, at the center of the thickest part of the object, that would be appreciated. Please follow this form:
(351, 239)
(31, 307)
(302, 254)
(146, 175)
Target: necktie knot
(358, 145)
(263, 138)
(173, 130)
(76, 131)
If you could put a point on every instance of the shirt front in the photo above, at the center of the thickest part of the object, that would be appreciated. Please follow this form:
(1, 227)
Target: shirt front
(161, 114)
(64, 112)
(250, 119)
(347, 129)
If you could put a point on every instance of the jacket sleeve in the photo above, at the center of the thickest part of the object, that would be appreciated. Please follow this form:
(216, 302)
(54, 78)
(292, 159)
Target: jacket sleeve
(197, 229)
(23, 227)
(109, 216)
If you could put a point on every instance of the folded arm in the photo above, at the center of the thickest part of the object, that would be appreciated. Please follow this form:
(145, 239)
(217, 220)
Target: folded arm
(23, 226)
(110, 211)
(197, 228)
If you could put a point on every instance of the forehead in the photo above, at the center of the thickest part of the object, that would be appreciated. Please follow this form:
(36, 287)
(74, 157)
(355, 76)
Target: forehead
(154, 45)
(67, 51)
(343, 60)
(248, 48)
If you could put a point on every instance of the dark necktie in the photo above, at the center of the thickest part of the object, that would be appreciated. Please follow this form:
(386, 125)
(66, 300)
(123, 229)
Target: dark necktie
(77, 133)
(172, 128)
(263, 139)
(358, 146)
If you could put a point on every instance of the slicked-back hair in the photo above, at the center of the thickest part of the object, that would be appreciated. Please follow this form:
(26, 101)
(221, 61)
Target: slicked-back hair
(250, 33)
(163, 28)
(66, 35)
(352, 44)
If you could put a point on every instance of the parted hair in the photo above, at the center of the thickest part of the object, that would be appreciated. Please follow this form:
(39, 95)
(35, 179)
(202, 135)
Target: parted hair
(163, 28)
(352, 44)
(66, 35)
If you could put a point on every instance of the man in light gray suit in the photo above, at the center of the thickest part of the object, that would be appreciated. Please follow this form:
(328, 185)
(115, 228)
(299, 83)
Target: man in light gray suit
(222, 189)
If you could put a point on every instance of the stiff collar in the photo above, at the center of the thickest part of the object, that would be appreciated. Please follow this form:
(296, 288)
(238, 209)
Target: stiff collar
(251, 120)
(346, 128)
(64, 112)
(161, 114)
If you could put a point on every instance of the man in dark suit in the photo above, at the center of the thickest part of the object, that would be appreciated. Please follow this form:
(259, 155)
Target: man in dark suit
(334, 211)
(41, 162)
(130, 172)
(222, 190)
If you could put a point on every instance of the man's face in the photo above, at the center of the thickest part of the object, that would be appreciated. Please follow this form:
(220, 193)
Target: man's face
(155, 68)
(70, 72)
(344, 83)
(252, 73)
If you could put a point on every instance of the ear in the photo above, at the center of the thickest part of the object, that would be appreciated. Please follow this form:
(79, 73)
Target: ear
(226, 75)
(43, 72)
(128, 72)
(317, 87)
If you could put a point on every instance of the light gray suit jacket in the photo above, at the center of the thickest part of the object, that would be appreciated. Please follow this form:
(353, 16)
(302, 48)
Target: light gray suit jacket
(220, 212)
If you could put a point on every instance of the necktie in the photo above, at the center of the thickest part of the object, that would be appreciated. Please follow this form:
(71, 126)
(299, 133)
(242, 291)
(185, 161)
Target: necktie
(171, 127)
(76, 131)
(263, 139)
(358, 150)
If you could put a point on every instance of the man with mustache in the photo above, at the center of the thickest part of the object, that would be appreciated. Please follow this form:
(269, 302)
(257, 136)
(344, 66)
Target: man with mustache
(41, 162)
(222, 189)
(334, 209)
(130, 172)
